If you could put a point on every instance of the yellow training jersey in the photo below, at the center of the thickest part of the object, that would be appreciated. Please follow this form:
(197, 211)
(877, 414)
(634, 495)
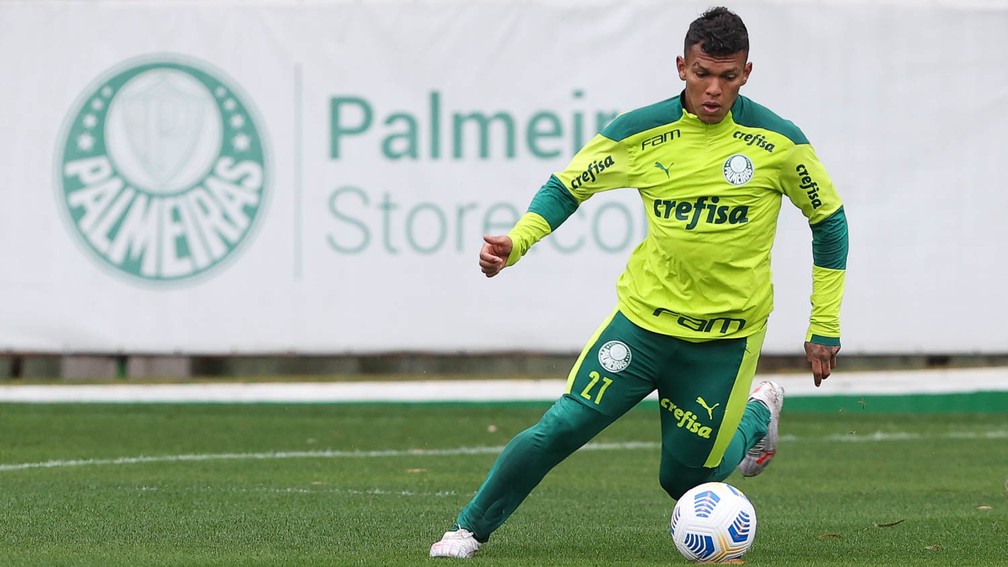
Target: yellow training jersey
(711, 194)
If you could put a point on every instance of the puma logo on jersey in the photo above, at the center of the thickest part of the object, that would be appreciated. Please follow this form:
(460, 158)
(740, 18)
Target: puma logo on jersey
(710, 409)
(663, 168)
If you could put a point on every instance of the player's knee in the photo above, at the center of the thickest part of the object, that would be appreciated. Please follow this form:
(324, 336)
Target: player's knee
(676, 478)
(566, 426)
(672, 483)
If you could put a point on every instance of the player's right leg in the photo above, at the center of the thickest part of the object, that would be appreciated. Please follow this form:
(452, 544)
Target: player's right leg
(754, 443)
(603, 385)
(523, 463)
(708, 424)
(520, 467)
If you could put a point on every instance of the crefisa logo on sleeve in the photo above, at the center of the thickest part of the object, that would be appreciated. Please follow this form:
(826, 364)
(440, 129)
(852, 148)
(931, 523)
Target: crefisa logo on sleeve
(161, 169)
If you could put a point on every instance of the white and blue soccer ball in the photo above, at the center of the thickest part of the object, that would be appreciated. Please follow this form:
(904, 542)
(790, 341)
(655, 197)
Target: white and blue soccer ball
(713, 522)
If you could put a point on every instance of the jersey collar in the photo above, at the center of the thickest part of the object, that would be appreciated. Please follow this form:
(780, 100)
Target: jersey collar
(692, 119)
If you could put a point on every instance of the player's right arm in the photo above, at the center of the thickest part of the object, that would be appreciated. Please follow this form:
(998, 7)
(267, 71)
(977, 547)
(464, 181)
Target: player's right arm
(601, 165)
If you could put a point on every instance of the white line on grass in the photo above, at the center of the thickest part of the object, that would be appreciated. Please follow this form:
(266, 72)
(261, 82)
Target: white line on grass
(298, 455)
(305, 491)
(910, 436)
(629, 446)
(244, 456)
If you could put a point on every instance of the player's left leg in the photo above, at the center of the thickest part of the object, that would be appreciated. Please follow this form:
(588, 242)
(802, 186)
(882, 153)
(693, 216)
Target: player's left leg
(707, 423)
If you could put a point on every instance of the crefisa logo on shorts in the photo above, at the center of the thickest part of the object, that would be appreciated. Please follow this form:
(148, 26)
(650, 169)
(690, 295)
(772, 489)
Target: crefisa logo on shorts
(614, 356)
(161, 169)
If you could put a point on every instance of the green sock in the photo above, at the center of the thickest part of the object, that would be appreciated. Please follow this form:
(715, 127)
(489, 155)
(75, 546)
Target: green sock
(753, 427)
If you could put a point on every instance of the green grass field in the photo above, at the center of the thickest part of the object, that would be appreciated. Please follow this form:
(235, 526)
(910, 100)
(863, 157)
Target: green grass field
(133, 485)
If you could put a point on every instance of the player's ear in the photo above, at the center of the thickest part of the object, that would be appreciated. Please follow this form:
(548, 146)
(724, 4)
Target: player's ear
(681, 65)
(745, 71)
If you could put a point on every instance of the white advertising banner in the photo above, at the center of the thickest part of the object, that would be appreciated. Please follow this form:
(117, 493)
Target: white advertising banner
(315, 177)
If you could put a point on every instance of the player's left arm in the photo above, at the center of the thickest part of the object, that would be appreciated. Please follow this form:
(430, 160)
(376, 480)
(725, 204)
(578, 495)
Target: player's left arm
(810, 188)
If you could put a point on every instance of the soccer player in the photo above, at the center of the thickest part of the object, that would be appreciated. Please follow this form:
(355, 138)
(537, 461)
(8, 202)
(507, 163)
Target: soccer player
(711, 167)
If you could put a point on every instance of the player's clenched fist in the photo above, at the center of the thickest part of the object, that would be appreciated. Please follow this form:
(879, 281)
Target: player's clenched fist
(494, 254)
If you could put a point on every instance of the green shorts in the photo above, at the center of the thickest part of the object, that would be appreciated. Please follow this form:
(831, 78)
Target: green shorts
(702, 386)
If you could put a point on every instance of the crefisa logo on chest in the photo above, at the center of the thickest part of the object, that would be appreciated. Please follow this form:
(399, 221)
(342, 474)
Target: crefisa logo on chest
(161, 169)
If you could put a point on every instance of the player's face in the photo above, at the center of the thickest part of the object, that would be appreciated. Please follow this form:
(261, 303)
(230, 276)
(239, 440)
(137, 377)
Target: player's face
(712, 83)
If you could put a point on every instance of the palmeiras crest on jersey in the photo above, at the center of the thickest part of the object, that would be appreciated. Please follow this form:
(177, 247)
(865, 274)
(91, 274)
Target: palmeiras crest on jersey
(162, 169)
(614, 356)
(738, 169)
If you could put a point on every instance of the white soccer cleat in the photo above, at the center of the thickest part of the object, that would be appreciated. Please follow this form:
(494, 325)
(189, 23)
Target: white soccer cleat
(771, 395)
(460, 543)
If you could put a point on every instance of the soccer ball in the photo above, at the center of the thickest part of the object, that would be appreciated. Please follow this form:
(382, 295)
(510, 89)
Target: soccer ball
(713, 522)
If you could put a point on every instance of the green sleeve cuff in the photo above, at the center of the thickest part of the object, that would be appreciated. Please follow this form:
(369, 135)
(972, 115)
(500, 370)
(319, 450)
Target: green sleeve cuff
(820, 340)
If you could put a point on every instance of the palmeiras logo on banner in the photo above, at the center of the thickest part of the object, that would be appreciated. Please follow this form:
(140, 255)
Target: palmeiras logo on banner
(162, 169)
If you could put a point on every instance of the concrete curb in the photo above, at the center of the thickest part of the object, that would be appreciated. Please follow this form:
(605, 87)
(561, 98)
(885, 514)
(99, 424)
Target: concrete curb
(796, 385)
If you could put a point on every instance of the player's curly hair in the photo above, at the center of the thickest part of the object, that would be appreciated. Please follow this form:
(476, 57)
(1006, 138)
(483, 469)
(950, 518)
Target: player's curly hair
(720, 32)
